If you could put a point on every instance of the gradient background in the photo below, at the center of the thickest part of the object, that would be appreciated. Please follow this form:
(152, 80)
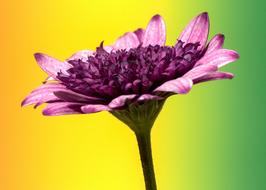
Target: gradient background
(210, 139)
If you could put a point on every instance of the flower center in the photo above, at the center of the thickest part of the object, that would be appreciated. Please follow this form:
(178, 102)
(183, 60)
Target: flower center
(135, 71)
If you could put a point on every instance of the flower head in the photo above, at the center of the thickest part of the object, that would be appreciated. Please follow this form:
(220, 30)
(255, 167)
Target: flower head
(137, 70)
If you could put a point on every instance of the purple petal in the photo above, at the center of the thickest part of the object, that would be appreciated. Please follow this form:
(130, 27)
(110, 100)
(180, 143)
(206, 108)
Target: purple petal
(197, 30)
(127, 41)
(179, 86)
(42, 94)
(108, 48)
(121, 100)
(214, 76)
(140, 34)
(146, 97)
(155, 32)
(83, 55)
(200, 71)
(94, 108)
(219, 58)
(70, 96)
(51, 65)
(216, 43)
(39, 98)
(49, 87)
(62, 108)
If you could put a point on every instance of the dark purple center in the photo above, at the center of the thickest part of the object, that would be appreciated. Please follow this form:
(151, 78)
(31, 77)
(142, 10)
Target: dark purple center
(135, 71)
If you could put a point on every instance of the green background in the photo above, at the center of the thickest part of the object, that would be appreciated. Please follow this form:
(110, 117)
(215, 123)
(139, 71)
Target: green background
(223, 124)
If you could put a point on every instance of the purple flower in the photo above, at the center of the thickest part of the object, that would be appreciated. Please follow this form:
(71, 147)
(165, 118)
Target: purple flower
(133, 77)
(137, 68)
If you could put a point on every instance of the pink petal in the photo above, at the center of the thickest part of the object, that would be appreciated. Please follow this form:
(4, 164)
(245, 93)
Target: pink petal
(62, 108)
(51, 65)
(140, 34)
(216, 43)
(218, 57)
(49, 87)
(70, 96)
(197, 30)
(121, 100)
(42, 94)
(146, 97)
(200, 71)
(39, 98)
(127, 41)
(108, 48)
(179, 86)
(83, 55)
(94, 108)
(214, 76)
(155, 32)
(56, 92)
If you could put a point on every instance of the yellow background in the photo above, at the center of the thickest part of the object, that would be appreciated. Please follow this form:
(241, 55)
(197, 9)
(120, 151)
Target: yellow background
(72, 152)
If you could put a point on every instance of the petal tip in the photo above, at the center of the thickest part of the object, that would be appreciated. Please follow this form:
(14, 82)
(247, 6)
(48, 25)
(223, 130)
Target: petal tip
(47, 113)
(204, 15)
(231, 76)
(221, 35)
(23, 103)
(38, 56)
(234, 54)
(50, 113)
(156, 17)
(138, 29)
(221, 38)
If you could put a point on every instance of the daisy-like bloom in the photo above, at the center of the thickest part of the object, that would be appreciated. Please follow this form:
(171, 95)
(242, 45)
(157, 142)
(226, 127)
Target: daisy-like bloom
(133, 77)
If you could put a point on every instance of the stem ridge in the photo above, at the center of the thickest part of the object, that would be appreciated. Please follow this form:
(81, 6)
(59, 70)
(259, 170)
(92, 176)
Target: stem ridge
(144, 144)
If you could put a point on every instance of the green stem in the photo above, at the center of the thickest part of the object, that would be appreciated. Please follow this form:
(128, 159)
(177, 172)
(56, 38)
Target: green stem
(144, 143)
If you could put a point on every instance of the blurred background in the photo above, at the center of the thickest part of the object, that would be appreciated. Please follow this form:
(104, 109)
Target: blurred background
(210, 139)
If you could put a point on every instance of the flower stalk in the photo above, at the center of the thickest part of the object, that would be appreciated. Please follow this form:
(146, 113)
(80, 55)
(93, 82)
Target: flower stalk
(145, 151)
(140, 118)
